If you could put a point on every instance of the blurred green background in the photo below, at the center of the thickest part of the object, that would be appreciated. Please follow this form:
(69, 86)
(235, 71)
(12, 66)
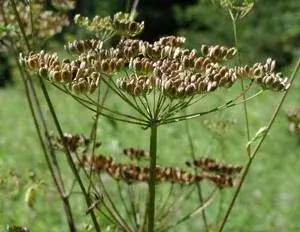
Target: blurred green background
(270, 199)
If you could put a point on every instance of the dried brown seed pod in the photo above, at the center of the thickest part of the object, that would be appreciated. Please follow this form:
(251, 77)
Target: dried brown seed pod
(211, 165)
(231, 52)
(43, 72)
(134, 153)
(120, 64)
(105, 66)
(66, 76)
(204, 49)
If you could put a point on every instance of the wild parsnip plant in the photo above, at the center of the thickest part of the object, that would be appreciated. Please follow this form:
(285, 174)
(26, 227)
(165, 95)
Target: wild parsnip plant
(26, 25)
(157, 82)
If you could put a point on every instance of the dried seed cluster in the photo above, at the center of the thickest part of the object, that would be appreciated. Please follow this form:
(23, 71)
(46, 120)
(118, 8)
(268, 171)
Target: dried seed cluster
(81, 46)
(45, 23)
(134, 153)
(264, 75)
(219, 173)
(120, 23)
(164, 66)
(74, 74)
(218, 52)
(73, 142)
(211, 165)
(293, 116)
(64, 4)
(133, 173)
(179, 72)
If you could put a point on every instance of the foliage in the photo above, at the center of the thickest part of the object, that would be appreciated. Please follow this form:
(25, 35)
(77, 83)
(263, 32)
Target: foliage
(272, 29)
(157, 83)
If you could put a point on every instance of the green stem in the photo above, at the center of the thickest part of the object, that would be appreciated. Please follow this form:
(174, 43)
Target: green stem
(230, 103)
(53, 171)
(254, 153)
(94, 135)
(21, 26)
(151, 183)
(123, 200)
(197, 209)
(113, 208)
(52, 165)
(84, 103)
(198, 185)
(69, 157)
(242, 83)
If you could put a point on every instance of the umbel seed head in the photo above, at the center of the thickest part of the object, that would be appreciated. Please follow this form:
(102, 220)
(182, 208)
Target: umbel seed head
(164, 66)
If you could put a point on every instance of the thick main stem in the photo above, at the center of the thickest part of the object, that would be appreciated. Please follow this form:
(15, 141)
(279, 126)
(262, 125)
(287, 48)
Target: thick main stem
(151, 183)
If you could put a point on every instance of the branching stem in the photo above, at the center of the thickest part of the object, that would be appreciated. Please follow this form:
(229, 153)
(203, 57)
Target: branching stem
(68, 154)
(255, 151)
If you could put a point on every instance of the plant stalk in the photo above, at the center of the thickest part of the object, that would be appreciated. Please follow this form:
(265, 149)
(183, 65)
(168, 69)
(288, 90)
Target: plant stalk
(53, 170)
(255, 151)
(32, 98)
(69, 157)
(248, 149)
(151, 183)
(198, 185)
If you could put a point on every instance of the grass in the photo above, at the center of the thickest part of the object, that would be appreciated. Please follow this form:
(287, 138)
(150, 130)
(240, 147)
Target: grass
(268, 201)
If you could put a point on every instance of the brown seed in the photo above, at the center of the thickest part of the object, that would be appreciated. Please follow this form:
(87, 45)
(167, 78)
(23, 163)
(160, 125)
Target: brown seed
(56, 76)
(211, 86)
(79, 46)
(32, 63)
(43, 72)
(231, 52)
(215, 51)
(190, 88)
(198, 63)
(202, 86)
(66, 76)
(105, 66)
(120, 64)
(257, 72)
(133, 28)
(204, 49)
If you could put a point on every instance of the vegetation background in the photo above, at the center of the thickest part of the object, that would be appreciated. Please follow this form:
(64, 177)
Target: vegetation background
(270, 199)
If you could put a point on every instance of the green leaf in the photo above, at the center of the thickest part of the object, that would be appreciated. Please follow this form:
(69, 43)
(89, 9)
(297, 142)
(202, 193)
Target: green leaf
(260, 133)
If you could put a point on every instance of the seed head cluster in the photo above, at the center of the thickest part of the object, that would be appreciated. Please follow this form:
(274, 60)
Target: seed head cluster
(74, 74)
(164, 66)
(264, 74)
(64, 4)
(120, 23)
(135, 154)
(211, 165)
(131, 173)
(75, 143)
(82, 46)
(45, 23)
(221, 174)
